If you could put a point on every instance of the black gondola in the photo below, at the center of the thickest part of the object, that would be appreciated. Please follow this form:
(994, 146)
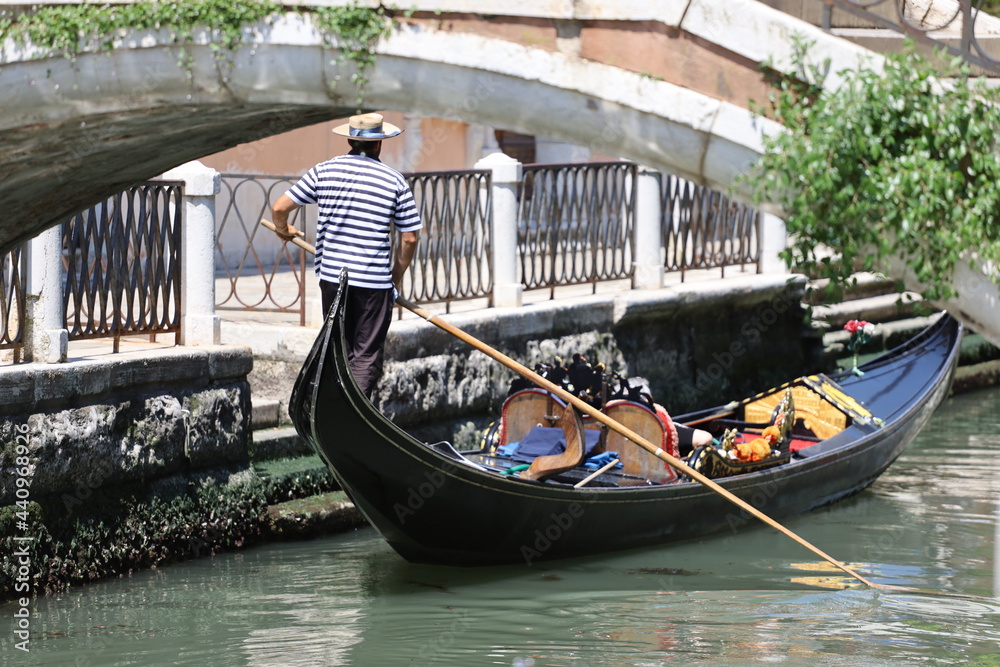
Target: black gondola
(435, 505)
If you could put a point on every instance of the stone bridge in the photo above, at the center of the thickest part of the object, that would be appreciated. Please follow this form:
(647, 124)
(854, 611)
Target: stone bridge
(663, 83)
(666, 83)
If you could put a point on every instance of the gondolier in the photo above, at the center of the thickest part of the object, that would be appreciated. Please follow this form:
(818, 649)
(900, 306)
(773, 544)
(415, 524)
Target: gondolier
(360, 201)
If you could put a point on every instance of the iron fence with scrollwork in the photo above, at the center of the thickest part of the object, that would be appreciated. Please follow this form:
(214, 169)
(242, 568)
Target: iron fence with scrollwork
(452, 261)
(122, 261)
(250, 256)
(704, 229)
(13, 278)
(122, 257)
(453, 258)
(958, 26)
(575, 224)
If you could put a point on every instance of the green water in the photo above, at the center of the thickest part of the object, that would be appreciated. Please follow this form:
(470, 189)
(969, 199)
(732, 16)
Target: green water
(738, 599)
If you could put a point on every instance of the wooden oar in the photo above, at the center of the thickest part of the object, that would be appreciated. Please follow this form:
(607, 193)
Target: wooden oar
(597, 473)
(727, 411)
(610, 423)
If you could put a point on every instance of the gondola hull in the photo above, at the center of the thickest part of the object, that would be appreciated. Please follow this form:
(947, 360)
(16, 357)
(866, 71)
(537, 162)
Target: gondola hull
(435, 508)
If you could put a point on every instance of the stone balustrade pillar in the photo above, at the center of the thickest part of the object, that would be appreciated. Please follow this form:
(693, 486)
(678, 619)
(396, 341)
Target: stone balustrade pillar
(46, 339)
(199, 323)
(647, 237)
(773, 239)
(507, 173)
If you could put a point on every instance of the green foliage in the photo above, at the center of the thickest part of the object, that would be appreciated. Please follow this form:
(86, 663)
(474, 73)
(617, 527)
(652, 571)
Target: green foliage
(288, 479)
(70, 29)
(891, 163)
(359, 30)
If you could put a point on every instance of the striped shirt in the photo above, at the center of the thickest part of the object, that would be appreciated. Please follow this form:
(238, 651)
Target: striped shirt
(359, 199)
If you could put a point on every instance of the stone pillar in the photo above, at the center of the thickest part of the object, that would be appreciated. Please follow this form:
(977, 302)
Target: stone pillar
(507, 289)
(556, 152)
(413, 143)
(46, 338)
(199, 323)
(647, 236)
(773, 239)
(480, 141)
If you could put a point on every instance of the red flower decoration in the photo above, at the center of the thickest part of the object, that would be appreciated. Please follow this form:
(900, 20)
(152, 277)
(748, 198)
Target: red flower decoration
(855, 325)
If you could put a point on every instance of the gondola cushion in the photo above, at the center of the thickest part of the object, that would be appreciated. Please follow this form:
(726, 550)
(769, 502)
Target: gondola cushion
(547, 441)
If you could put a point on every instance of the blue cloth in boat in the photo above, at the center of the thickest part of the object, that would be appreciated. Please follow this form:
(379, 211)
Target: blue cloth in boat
(508, 450)
(598, 461)
(546, 441)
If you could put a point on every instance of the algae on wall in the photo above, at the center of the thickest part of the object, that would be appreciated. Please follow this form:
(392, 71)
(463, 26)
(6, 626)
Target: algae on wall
(709, 353)
(117, 466)
(122, 440)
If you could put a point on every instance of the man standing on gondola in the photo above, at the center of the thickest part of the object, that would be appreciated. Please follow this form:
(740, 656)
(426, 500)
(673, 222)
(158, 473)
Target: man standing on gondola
(359, 200)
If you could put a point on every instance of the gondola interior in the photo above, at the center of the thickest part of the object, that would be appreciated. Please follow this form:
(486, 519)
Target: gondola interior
(812, 409)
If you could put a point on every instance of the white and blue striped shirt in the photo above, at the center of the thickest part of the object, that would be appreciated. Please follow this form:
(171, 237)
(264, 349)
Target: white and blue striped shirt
(358, 198)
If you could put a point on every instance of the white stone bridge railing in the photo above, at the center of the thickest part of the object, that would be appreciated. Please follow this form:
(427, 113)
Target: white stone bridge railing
(504, 228)
(148, 261)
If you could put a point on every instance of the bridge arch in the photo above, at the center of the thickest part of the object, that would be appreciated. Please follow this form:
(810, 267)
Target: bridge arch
(79, 129)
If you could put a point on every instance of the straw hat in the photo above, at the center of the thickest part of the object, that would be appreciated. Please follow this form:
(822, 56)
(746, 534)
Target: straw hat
(367, 127)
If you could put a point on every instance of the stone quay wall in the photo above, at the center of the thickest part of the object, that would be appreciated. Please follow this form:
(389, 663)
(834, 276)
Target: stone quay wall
(123, 419)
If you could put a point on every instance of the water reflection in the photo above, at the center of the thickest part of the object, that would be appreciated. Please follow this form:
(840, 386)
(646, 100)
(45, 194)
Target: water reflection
(746, 597)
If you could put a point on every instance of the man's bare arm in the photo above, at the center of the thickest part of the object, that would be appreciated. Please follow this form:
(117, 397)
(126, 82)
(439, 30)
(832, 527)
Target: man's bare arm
(279, 216)
(404, 256)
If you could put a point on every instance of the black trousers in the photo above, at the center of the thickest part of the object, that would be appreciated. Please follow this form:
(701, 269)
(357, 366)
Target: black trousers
(367, 315)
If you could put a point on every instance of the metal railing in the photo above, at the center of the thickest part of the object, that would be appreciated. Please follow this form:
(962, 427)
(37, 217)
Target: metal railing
(251, 258)
(928, 22)
(703, 229)
(575, 224)
(453, 258)
(122, 258)
(452, 261)
(13, 281)
(122, 261)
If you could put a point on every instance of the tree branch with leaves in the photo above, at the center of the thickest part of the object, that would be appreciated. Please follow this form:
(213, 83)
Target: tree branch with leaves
(894, 171)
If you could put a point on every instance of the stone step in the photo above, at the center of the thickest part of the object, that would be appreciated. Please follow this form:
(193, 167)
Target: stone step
(296, 477)
(316, 515)
(876, 309)
(265, 412)
(975, 350)
(278, 443)
(290, 465)
(887, 334)
(976, 376)
(867, 285)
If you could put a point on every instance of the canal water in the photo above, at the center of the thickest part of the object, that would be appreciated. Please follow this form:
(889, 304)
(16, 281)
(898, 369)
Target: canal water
(753, 596)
